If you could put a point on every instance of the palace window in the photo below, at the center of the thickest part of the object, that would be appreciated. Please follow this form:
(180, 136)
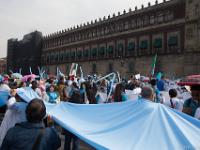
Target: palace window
(66, 55)
(139, 23)
(120, 47)
(102, 51)
(98, 32)
(152, 19)
(171, 16)
(73, 54)
(173, 41)
(117, 27)
(146, 20)
(48, 59)
(70, 39)
(52, 58)
(61, 57)
(73, 38)
(90, 34)
(110, 50)
(81, 36)
(144, 44)
(113, 28)
(79, 54)
(94, 52)
(121, 26)
(131, 46)
(160, 18)
(93, 33)
(86, 53)
(56, 57)
(106, 30)
(157, 43)
(102, 31)
(126, 26)
(87, 34)
(63, 41)
(76, 37)
(133, 24)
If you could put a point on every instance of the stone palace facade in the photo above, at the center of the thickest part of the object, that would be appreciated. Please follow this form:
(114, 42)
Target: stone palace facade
(127, 42)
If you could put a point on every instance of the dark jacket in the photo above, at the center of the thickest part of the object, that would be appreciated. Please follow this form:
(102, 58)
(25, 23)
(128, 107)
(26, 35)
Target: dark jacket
(76, 97)
(24, 135)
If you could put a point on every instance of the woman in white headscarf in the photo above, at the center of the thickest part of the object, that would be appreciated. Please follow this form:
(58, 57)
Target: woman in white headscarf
(15, 113)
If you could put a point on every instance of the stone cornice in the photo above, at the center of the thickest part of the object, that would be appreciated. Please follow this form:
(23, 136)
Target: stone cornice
(176, 22)
(100, 22)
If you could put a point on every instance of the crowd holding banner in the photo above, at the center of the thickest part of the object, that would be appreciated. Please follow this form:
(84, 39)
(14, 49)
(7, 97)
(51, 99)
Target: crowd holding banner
(169, 100)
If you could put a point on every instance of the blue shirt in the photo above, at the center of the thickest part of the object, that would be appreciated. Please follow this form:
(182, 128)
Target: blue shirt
(160, 85)
(52, 97)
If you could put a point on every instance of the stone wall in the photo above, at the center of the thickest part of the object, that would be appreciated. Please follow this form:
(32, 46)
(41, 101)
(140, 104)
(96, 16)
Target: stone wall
(192, 27)
(172, 65)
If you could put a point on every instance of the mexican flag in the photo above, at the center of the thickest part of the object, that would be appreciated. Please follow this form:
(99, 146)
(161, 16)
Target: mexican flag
(153, 65)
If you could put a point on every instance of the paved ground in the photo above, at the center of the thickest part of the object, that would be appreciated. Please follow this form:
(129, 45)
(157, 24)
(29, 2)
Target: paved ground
(83, 145)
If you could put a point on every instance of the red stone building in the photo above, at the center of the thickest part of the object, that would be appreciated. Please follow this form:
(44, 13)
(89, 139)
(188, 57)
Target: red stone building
(126, 42)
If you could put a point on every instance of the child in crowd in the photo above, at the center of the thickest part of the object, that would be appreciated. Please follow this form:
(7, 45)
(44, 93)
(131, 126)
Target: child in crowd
(175, 103)
(53, 96)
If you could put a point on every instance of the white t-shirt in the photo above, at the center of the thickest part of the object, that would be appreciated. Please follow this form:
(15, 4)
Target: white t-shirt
(178, 104)
(197, 114)
(137, 90)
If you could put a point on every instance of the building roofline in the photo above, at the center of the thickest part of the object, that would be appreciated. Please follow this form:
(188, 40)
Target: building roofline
(112, 18)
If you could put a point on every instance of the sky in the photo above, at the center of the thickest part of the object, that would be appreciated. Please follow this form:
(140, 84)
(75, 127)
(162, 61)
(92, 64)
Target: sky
(19, 17)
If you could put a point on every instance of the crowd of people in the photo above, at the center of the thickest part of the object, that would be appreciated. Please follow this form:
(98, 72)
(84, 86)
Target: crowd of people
(25, 126)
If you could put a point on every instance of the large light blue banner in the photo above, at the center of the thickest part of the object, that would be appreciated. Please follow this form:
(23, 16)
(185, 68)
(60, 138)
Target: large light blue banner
(139, 124)
(27, 94)
(129, 125)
